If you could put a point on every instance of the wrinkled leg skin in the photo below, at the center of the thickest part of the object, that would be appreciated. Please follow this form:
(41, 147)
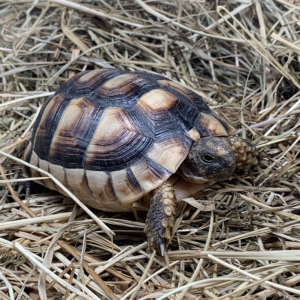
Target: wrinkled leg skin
(160, 219)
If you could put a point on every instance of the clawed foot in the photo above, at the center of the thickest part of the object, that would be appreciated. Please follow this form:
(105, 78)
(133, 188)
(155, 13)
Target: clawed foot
(30, 187)
(160, 220)
(21, 185)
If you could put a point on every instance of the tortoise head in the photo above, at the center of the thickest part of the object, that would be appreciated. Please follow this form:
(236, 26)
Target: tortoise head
(210, 158)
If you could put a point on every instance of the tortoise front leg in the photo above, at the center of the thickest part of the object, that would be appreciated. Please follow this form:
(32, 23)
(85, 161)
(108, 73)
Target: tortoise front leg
(160, 219)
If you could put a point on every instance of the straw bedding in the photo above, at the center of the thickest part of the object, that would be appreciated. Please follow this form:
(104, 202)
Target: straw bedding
(240, 239)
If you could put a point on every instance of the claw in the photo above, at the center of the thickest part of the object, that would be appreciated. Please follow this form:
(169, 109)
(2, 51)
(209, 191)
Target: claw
(162, 250)
(160, 219)
(21, 187)
(27, 193)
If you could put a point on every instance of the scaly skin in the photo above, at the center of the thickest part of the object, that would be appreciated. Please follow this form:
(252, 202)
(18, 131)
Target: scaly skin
(160, 220)
(246, 154)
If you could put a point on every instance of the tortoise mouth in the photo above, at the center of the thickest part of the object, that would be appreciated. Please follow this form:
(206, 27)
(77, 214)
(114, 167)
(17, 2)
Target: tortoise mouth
(225, 173)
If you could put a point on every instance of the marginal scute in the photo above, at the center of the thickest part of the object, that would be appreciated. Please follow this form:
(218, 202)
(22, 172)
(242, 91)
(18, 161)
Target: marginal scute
(178, 87)
(186, 93)
(101, 187)
(169, 153)
(149, 174)
(59, 173)
(44, 165)
(193, 134)
(109, 205)
(89, 76)
(119, 80)
(34, 160)
(208, 125)
(46, 127)
(77, 182)
(125, 187)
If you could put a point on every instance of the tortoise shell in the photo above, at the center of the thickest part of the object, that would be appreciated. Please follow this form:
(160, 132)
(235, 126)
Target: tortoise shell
(111, 136)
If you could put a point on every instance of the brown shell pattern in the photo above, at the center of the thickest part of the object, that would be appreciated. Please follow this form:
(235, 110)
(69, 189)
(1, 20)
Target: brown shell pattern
(111, 136)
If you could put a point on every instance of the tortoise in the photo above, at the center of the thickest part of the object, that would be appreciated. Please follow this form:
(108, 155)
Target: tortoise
(114, 137)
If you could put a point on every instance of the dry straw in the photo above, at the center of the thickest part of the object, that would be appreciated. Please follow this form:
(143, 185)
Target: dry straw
(237, 240)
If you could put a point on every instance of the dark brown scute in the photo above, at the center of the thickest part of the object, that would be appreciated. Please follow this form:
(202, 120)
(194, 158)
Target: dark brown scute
(117, 142)
(69, 83)
(87, 87)
(45, 129)
(44, 165)
(185, 93)
(74, 133)
(176, 118)
(38, 120)
(127, 93)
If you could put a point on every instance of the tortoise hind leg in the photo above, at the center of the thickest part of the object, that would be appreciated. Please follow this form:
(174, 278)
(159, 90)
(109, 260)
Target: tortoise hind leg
(30, 187)
(160, 219)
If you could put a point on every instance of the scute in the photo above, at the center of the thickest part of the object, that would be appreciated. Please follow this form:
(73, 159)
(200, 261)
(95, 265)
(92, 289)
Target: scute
(111, 136)
(149, 174)
(158, 100)
(126, 187)
(46, 127)
(186, 93)
(219, 126)
(71, 138)
(170, 152)
(87, 83)
(210, 124)
(116, 143)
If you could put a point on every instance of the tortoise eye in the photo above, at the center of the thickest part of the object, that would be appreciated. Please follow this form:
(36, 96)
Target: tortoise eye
(208, 158)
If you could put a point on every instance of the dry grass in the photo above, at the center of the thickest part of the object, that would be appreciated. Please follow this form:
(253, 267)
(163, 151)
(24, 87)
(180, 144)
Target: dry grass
(240, 239)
